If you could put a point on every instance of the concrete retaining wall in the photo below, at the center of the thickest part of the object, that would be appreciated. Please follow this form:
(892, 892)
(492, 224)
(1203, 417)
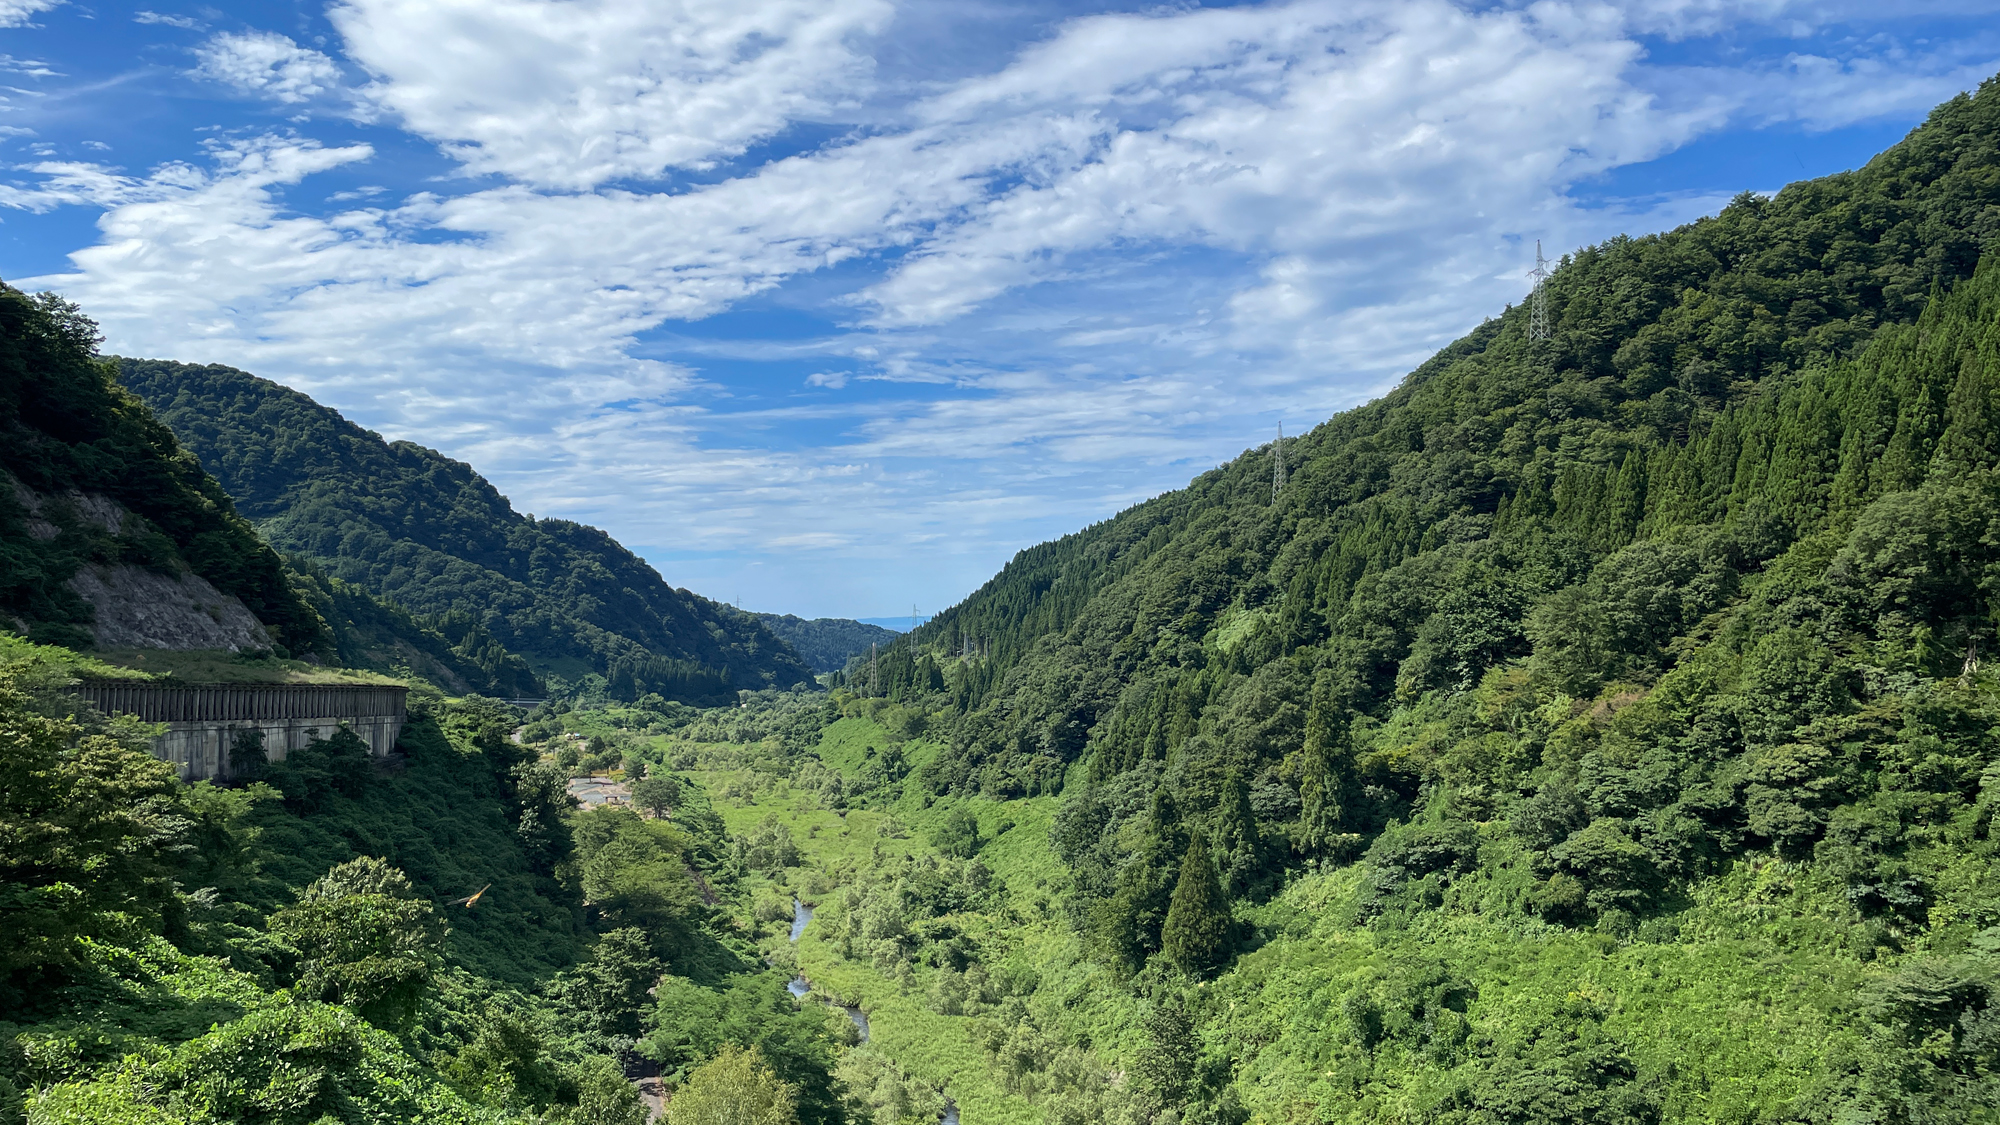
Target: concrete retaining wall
(202, 719)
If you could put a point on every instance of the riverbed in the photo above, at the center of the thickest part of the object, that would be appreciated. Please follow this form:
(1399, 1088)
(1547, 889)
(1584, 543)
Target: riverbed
(802, 916)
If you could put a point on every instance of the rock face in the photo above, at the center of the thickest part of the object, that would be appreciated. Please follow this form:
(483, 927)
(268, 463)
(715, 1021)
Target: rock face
(138, 608)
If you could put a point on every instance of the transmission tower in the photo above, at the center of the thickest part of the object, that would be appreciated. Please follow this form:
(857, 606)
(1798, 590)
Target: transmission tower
(1538, 307)
(874, 672)
(1278, 464)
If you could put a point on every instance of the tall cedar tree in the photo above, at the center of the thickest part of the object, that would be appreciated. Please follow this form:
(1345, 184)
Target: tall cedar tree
(1195, 938)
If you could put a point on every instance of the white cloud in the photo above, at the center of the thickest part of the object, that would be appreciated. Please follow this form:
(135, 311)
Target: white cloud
(1337, 130)
(17, 13)
(1686, 19)
(33, 68)
(572, 93)
(1819, 92)
(185, 23)
(74, 183)
(1372, 137)
(268, 64)
(1126, 249)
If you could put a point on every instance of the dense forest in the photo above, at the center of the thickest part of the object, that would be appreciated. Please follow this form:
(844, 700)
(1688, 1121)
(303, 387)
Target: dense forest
(451, 649)
(826, 643)
(67, 429)
(1602, 728)
(300, 947)
(1671, 629)
(431, 535)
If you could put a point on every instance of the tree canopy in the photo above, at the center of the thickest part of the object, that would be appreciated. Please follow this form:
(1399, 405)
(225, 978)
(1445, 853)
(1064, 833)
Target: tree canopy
(408, 524)
(69, 430)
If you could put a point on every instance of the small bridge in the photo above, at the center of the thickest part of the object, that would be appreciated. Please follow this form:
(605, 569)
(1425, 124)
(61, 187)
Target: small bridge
(203, 719)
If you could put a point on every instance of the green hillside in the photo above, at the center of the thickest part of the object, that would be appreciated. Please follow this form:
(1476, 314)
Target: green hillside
(440, 935)
(300, 949)
(433, 536)
(1599, 729)
(1669, 396)
(452, 650)
(826, 643)
(67, 427)
(1596, 728)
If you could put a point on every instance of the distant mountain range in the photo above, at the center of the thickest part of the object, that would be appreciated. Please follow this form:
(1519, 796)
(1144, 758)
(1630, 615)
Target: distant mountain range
(828, 643)
(428, 533)
(894, 624)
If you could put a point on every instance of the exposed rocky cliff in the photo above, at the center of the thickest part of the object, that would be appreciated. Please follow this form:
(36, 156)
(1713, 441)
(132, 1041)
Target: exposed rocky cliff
(128, 605)
(106, 523)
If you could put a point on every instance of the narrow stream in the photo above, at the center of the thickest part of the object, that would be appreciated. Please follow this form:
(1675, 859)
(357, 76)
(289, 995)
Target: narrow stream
(799, 986)
(802, 915)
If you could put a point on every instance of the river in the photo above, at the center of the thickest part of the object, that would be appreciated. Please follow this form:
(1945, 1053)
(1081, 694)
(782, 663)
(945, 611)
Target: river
(802, 915)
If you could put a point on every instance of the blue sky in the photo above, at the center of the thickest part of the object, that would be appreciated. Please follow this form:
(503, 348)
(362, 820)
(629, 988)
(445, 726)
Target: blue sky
(829, 306)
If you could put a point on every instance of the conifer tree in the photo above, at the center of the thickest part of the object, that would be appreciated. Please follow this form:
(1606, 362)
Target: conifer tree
(1320, 774)
(1130, 921)
(1237, 841)
(1196, 935)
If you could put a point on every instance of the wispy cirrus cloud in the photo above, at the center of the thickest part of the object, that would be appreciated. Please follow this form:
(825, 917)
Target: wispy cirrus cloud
(1037, 290)
(164, 19)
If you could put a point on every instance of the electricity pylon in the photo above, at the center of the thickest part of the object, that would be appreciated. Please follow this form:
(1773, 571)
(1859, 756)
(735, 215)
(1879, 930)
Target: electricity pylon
(1538, 304)
(1278, 464)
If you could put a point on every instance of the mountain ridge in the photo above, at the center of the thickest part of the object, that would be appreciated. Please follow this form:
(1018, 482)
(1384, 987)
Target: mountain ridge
(94, 482)
(430, 534)
(827, 643)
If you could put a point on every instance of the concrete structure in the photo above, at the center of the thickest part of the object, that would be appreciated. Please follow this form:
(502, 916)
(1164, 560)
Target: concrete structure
(202, 719)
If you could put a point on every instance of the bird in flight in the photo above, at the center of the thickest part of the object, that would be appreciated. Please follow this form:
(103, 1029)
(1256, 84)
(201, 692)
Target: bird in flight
(468, 900)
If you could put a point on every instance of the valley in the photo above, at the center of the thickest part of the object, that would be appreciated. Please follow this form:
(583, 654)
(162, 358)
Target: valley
(1601, 727)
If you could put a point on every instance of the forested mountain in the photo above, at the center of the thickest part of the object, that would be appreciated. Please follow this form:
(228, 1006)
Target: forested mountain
(1732, 372)
(428, 533)
(827, 643)
(76, 442)
(452, 650)
(438, 936)
(73, 439)
(1690, 601)
(1599, 729)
